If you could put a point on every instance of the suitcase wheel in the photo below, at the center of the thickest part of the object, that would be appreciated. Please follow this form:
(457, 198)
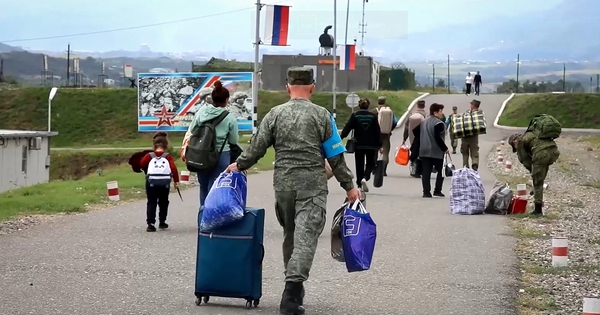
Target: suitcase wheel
(201, 299)
(252, 303)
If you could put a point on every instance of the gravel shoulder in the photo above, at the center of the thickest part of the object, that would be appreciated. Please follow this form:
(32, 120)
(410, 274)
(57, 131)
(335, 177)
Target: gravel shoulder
(572, 210)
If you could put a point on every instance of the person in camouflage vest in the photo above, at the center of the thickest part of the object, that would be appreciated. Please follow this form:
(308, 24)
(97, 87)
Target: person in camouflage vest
(297, 131)
(536, 155)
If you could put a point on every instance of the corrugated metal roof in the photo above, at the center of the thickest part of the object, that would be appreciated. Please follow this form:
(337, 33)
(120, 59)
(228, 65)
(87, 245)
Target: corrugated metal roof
(7, 133)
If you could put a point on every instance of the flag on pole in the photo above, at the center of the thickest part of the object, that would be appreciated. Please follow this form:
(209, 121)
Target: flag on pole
(348, 57)
(276, 25)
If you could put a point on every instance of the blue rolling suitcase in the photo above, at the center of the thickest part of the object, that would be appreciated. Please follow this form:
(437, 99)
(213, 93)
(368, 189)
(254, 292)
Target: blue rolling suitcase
(229, 260)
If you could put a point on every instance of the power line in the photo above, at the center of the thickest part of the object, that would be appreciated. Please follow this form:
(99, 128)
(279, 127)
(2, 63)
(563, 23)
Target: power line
(126, 28)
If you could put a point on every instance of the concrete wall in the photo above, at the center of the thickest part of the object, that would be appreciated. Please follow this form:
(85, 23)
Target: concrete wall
(274, 69)
(13, 174)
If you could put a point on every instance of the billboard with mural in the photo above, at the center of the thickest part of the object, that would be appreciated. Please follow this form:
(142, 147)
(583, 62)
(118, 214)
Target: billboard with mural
(168, 101)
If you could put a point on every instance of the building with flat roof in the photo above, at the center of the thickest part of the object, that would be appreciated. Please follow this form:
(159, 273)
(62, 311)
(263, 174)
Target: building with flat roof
(24, 158)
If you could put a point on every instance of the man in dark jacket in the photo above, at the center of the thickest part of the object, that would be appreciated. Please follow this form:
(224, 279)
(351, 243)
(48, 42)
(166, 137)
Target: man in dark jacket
(367, 135)
(432, 148)
(477, 81)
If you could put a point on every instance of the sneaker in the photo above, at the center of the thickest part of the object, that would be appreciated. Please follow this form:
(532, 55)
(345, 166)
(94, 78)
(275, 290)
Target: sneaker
(163, 226)
(151, 228)
(363, 186)
(427, 195)
(439, 194)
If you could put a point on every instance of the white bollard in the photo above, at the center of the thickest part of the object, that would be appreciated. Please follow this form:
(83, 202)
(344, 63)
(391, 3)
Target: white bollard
(591, 306)
(560, 252)
(500, 159)
(508, 166)
(113, 191)
(521, 190)
(184, 178)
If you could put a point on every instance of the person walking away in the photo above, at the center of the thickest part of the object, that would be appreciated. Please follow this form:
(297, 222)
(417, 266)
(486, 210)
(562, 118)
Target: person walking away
(469, 146)
(414, 120)
(536, 154)
(387, 123)
(368, 141)
(296, 130)
(450, 127)
(469, 83)
(478, 83)
(432, 149)
(226, 130)
(160, 170)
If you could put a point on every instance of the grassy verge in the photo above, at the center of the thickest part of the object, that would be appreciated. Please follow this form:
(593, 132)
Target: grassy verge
(108, 117)
(573, 110)
(82, 184)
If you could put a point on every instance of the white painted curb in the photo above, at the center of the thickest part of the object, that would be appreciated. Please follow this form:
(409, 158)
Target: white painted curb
(409, 109)
(523, 129)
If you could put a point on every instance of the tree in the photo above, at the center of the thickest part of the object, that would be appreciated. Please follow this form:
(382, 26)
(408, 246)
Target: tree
(528, 86)
(440, 83)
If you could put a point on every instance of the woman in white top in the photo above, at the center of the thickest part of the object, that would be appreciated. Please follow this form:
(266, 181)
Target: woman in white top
(469, 82)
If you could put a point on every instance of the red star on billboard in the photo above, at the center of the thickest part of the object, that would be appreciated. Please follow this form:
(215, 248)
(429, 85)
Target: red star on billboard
(164, 118)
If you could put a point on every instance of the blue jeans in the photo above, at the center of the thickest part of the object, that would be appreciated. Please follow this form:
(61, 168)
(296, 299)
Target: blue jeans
(207, 179)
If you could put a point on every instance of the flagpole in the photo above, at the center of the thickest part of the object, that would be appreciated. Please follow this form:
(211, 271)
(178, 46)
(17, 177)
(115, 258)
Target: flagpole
(256, 69)
(334, 89)
(346, 43)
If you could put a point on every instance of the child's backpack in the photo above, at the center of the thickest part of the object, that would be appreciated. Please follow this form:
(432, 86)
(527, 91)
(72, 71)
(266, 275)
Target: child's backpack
(386, 120)
(545, 126)
(159, 171)
(202, 153)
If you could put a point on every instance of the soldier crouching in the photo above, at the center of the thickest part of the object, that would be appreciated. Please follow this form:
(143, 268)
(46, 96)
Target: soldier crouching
(296, 131)
(536, 155)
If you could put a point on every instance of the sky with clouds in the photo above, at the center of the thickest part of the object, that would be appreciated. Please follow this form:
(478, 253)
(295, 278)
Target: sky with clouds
(229, 25)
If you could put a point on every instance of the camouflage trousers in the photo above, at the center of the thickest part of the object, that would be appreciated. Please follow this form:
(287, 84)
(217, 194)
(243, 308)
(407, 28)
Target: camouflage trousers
(302, 214)
(538, 176)
(469, 147)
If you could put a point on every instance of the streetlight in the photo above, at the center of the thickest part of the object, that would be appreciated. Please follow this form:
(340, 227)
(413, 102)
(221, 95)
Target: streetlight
(50, 97)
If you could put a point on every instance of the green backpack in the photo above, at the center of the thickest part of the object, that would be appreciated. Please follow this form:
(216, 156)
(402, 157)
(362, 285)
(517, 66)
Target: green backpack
(545, 126)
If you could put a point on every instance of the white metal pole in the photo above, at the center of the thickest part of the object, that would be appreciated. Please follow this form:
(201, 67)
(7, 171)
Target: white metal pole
(362, 31)
(256, 69)
(334, 89)
(49, 113)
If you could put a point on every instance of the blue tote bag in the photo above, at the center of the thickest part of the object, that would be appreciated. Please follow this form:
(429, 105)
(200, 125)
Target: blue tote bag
(359, 233)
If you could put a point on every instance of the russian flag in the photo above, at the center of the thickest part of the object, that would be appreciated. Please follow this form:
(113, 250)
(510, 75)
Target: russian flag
(276, 25)
(348, 57)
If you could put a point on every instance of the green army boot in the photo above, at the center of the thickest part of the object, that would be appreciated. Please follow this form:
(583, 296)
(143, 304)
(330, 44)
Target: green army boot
(291, 299)
(538, 209)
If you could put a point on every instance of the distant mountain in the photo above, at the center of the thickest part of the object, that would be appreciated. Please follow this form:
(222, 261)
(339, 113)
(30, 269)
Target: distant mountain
(7, 48)
(565, 32)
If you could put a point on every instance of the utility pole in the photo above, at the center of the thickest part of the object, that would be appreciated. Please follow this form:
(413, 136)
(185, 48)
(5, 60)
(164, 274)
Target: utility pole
(564, 77)
(68, 64)
(334, 85)
(448, 83)
(256, 69)
(433, 77)
(1, 69)
(518, 64)
(597, 83)
(346, 43)
(362, 29)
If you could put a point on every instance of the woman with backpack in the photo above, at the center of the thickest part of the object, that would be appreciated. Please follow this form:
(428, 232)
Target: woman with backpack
(367, 136)
(218, 131)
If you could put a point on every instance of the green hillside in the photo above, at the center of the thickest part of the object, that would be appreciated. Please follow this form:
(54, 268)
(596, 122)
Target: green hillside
(573, 110)
(108, 117)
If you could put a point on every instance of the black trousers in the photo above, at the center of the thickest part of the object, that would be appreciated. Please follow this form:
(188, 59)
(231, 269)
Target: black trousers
(364, 170)
(477, 85)
(428, 165)
(469, 88)
(157, 196)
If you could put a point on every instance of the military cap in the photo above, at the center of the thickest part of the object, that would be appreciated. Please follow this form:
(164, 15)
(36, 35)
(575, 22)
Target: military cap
(512, 139)
(454, 107)
(300, 76)
(476, 103)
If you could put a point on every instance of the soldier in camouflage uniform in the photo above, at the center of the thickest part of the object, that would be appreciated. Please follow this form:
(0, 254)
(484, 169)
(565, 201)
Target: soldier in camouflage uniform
(536, 155)
(296, 130)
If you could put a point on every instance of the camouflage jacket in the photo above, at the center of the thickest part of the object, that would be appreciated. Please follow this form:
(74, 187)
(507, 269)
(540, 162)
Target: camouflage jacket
(532, 150)
(296, 131)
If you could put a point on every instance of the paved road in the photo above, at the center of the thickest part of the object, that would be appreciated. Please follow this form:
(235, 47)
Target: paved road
(426, 262)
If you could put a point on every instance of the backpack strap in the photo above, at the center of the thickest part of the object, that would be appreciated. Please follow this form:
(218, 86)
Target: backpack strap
(152, 154)
(217, 120)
